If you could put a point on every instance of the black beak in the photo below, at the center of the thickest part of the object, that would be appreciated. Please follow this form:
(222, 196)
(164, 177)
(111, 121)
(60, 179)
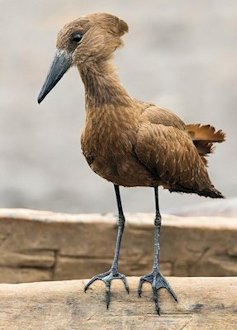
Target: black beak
(61, 63)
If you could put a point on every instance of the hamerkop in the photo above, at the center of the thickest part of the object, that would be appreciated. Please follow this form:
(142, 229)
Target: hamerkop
(129, 142)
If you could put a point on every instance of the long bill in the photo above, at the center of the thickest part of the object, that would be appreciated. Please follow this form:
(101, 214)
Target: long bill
(61, 63)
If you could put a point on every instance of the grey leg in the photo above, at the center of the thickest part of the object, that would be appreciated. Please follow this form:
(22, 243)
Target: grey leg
(113, 273)
(156, 279)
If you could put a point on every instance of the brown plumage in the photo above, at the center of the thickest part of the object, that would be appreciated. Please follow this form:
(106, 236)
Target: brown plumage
(126, 141)
(203, 137)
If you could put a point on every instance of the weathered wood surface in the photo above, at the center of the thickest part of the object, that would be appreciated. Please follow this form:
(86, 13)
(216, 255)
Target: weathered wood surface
(204, 303)
(38, 245)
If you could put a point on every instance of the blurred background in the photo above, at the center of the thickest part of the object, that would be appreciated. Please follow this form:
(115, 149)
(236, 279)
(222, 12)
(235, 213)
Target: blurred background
(178, 54)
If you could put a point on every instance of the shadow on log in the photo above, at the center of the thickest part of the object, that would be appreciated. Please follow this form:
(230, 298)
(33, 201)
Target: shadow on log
(204, 303)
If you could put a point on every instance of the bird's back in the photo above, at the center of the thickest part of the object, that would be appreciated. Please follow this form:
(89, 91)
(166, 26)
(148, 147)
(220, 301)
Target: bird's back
(175, 151)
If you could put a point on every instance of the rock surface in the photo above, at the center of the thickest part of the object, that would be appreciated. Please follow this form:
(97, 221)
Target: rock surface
(41, 246)
(204, 303)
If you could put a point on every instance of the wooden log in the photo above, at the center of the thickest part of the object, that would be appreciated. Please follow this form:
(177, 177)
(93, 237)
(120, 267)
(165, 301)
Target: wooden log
(204, 303)
(39, 245)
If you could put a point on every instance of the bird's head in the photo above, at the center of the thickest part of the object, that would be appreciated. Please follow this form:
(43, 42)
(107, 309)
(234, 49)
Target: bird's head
(92, 38)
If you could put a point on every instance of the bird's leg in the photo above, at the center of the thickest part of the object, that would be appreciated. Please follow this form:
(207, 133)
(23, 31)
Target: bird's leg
(156, 279)
(113, 273)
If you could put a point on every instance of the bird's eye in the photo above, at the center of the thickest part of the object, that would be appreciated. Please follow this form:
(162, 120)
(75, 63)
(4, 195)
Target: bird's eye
(77, 37)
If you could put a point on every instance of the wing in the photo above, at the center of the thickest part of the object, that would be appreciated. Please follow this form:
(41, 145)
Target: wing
(169, 153)
(203, 136)
(157, 115)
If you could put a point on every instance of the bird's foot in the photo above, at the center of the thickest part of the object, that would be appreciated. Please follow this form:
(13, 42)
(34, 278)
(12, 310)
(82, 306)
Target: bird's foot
(107, 278)
(157, 282)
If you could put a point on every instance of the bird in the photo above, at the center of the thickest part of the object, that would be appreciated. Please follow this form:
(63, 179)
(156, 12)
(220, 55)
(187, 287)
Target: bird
(128, 142)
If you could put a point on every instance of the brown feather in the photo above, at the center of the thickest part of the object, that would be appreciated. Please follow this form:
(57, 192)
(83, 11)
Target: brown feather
(126, 141)
(203, 137)
(207, 133)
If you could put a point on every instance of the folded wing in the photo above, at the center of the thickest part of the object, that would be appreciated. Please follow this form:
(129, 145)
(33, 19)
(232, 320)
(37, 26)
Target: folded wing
(170, 153)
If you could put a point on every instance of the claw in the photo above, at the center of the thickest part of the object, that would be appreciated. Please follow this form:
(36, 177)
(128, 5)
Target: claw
(90, 282)
(139, 290)
(125, 282)
(156, 300)
(157, 282)
(107, 279)
(107, 294)
(172, 293)
(95, 278)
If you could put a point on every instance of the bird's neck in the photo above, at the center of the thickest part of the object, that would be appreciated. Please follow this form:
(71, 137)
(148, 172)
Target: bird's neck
(102, 86)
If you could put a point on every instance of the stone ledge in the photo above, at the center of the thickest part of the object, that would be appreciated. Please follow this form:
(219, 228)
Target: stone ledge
(39, 245)
(204, 303)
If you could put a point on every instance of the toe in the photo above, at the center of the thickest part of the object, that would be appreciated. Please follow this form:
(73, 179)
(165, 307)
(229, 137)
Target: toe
(155, 298)
(90, 282)
(139, 289)
(107, 279)
(172, 294)
(125, 282)
(165, 285)
(157, 282)
(107, 294)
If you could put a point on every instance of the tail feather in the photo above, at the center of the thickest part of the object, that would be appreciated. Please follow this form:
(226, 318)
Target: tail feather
(203, 137)
(212, 192)
(207, 133)
(208, 192)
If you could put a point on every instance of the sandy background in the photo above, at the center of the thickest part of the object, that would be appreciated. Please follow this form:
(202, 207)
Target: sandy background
(179, 54)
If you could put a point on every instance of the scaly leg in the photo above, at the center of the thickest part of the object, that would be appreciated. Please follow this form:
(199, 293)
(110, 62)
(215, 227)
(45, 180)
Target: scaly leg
(156, 279)
(113, 273)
